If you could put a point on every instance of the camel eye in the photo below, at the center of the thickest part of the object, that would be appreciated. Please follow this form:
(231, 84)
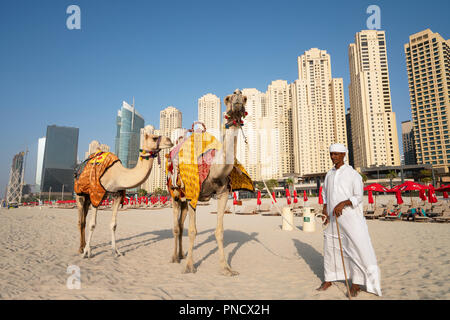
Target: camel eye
(155, 139)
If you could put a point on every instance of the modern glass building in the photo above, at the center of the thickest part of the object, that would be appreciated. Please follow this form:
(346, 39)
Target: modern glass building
(129, 124)
(60, 159)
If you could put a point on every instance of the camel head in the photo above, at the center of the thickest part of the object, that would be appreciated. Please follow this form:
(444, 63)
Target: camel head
(235, 112)
(152, 144)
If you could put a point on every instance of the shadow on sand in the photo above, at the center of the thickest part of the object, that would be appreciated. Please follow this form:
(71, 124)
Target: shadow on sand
(141, 240)
(229, 237)
(312, 257)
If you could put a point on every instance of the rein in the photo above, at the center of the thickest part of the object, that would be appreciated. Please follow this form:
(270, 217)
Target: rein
(147, 154)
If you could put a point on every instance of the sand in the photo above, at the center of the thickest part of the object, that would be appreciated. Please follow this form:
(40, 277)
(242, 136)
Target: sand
(38, 245)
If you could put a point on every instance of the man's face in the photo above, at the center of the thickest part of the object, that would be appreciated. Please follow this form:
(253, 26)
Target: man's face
(337, 157)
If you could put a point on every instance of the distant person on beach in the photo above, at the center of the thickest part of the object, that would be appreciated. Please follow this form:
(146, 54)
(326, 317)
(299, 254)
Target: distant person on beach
(342, 194)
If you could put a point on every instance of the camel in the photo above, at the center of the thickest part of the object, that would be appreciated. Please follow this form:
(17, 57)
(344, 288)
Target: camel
(115, 180)
(216, 183)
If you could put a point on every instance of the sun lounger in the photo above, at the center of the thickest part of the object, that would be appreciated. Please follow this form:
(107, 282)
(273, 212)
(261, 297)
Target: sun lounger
(248, 210)
(264, 207)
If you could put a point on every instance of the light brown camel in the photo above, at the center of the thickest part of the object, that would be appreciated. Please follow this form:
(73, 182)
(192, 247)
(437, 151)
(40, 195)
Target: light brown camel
(216, 183)
(116, 179)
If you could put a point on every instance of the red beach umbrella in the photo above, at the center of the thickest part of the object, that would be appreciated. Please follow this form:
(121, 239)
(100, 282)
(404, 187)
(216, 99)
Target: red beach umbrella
(295, 196)
(431, 195)
(234, 198)
(376, 187)
(370, 197)
(320, 196)
(273, 197)
(305, 198)
(288, 197)
(398, 195)
(422, 195)
(258, 198)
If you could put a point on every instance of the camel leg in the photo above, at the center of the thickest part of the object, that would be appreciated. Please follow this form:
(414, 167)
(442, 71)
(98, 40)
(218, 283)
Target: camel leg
(115, 209)
(92, 223)
(221, 204)
(184, 211)
(176, 228)
(192, 233)
(83, 207)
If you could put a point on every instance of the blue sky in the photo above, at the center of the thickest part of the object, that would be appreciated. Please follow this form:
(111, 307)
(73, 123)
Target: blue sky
(171, 53)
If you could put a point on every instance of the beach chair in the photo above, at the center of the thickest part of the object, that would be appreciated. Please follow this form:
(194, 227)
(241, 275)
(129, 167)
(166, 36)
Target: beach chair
(444, 218)
(248, 210)
(264, 207)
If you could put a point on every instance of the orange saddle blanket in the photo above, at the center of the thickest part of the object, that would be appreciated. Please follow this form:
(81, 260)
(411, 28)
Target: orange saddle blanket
(88, 182)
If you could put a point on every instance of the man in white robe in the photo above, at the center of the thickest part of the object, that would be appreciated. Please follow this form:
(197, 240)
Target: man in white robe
(342, 194)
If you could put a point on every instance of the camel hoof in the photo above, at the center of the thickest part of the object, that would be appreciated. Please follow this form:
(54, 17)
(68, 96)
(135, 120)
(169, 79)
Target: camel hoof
(229, 272)
(117, 253)
(81, 250)
(175, 259)
(190, 269)
(86, 254)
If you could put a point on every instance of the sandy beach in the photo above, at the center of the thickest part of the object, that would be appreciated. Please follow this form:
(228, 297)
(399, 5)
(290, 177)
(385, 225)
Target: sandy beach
(38, 245)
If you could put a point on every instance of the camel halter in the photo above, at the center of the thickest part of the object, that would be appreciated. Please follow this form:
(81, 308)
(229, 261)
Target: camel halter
(147, 154)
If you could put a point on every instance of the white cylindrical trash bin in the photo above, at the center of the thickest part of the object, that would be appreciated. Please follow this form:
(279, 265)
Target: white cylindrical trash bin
(309, 220)
(288, 219)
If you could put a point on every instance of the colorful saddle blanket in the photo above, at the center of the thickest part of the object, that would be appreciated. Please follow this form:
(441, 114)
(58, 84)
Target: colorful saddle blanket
(88, 181)
(194, 158)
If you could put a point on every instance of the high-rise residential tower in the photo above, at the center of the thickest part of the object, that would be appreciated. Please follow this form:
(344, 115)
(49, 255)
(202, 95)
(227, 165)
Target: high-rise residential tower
(279, 110)
(427, 62)
(409, 150)
(129, 124)
(374, 128)
(170, 121)
(318, 113)
(209, 112)
(94, 146)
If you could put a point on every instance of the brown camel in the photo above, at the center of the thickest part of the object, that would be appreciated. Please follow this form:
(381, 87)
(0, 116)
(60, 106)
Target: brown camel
(217, 183)
(115, 180)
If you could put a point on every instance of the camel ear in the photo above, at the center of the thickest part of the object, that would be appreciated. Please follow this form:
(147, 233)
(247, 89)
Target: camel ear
(227, 100)
(146, 136)
(245, 99)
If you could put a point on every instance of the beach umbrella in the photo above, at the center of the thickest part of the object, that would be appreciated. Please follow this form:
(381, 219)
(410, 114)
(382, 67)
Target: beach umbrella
(305, 198)
(295, 196)
(258, 198)
(445, 194)
(273, 197)
(422, 195)
(234, 198)
(370, 197)
(376, 187)
(409, 186)
(320, 196)
(288, 197)
(398, 195)
(431, 195)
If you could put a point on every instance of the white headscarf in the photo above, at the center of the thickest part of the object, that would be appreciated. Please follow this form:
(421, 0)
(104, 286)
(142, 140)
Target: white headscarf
(337, 147)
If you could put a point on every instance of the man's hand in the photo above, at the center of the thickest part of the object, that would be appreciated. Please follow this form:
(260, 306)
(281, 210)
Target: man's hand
(326, 218)
(337, 211)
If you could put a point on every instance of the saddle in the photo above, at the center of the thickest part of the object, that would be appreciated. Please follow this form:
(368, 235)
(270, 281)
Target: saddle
(88, 174)
(188, 165)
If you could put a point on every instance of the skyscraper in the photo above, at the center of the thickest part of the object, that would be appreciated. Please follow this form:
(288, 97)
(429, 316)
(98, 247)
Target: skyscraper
(169, 119)
(209, 112)
(374, 128)
(170, 125)
(409, 150)
(60, 159)
(40, 162)
(318, 113)
(129, 124)
(427, 61)
(94, 146)
(279, 108)
(249, 154)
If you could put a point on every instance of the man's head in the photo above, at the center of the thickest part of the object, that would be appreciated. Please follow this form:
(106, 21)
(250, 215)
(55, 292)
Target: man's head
(337, 154)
